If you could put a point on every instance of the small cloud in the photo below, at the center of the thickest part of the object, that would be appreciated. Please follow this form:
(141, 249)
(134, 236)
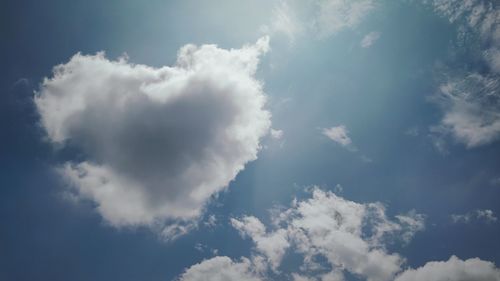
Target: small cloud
(370, 39)
(479, 215)
(338, 134)
(412, 132)
(276, 134)
(211, 221)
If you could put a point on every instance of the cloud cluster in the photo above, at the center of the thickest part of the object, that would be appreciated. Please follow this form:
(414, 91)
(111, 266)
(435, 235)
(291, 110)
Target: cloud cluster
(156, 143)
(334, 236)
(349, 235)
(471, 98)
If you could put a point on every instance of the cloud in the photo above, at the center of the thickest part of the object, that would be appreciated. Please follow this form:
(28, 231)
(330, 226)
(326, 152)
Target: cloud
(322, 18)
(470, 98)
(276, 134)
(334, 16)
(221, 268)
(453, 269)
(272, 245)
(370, 39)
(471, 107)
(156, 143)
(482, 215)
(340, 135)
(349, 235)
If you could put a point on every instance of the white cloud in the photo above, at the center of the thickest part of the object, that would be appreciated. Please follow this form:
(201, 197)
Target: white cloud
(272, 245)
(472, 109)
(471, 99)
(453, 269)
(482, 215)
(334, 16)
(322, 18)
(276, 134)
(349, 235)
(157, 142)
(338, 134)
(221, 268)
(370, 39)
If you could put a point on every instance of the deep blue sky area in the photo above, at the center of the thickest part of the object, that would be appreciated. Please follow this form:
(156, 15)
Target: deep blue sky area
(409, 91)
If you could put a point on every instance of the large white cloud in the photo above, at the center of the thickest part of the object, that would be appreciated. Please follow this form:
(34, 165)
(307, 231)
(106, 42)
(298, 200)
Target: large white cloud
(454, 269)
(156, 143)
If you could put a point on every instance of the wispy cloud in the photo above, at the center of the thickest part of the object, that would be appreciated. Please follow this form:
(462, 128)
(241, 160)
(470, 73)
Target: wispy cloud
(370, 39)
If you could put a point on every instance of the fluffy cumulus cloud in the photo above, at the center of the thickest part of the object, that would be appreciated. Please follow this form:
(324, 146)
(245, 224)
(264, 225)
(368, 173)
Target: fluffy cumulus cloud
(470, 98)
(335, 236)
(322, 18)
(221, 269)
(272, 245)
(454, 269)
(156, 143)
(349, 235)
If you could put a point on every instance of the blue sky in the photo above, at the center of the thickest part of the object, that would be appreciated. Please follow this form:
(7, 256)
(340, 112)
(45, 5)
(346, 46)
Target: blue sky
(250, 140)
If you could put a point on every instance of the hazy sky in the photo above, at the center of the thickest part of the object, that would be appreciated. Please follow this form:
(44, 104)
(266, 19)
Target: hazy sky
(250, 140)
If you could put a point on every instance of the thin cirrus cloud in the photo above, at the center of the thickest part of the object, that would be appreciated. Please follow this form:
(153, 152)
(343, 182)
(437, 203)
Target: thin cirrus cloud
(470, 97)
(485, 215)
(321, 18)
(351, 237)
(158, 142)
(370, 39)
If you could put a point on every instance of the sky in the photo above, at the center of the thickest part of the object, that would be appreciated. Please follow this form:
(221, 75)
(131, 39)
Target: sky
(318, 140)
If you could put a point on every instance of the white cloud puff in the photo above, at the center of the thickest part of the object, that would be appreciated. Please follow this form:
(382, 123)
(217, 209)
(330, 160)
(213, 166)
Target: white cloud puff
(221, 268)
(338, 134)
(454, 269)
(157, 142)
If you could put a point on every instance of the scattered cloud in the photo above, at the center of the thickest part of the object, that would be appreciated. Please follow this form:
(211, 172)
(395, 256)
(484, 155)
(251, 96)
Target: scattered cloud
(370, 39)
(471, 98)
(349, 235)
(480, 215)
(158, 142)
(471, 109)
(454, 269)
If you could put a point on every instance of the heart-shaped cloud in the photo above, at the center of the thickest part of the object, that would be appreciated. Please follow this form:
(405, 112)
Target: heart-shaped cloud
(158, 142)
